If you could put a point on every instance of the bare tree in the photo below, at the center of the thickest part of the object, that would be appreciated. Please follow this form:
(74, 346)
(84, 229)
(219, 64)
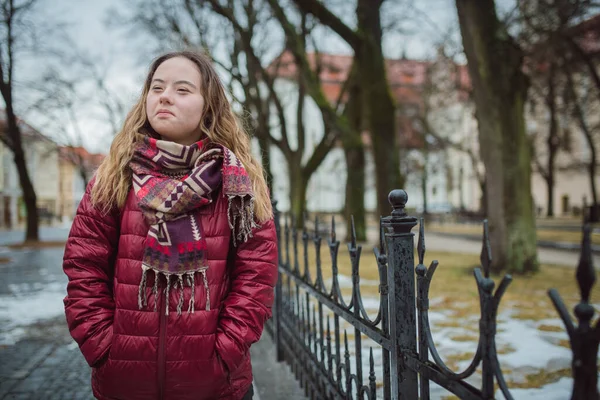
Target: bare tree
(12, 26)
(60, 107)
(545, 87)
(377, 101)
(345, 125)
(444, 89)
(246, 22)
(578, 110)
(500, 87)
(554, 34)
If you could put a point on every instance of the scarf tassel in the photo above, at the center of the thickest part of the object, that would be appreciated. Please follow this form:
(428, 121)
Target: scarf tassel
(177, 284)
(241, 219)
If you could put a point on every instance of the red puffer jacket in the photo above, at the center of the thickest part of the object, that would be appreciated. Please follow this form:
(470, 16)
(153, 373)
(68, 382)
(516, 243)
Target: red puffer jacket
(145, 354)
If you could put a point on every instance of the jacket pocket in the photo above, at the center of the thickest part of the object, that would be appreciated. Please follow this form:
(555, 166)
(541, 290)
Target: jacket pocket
(224, 368)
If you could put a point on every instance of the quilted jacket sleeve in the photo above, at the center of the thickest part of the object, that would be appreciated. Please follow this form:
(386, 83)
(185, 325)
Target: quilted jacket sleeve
(250, 299)
(88, 263)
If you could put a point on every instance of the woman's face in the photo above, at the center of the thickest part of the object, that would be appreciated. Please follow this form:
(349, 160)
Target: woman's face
(174, 104)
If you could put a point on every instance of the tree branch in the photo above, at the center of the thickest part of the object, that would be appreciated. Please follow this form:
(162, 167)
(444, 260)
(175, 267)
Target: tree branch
(323, 14)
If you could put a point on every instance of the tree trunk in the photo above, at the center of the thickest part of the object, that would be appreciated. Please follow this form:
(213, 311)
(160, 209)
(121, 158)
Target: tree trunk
(550, 176)
(355, 192)
(379, 104)
(580, 115)
(84, 176)
(29, 196)
(500, 90)
(298, 184)
(355, 159)
(483, 199)
(553, 140)
(265, 154)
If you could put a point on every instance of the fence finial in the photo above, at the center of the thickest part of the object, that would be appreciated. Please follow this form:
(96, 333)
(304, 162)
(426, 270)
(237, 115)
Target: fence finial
(398, 199)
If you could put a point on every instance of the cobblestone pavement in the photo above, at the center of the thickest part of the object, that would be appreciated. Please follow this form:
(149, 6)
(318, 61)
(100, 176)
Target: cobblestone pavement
(38, 358)
(45, 365)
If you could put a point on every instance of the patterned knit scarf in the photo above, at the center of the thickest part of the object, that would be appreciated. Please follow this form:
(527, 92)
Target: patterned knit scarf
(171, 181)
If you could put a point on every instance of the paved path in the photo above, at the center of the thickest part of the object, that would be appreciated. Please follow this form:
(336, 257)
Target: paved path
(441, 242)
(450, 243)
(38, 358)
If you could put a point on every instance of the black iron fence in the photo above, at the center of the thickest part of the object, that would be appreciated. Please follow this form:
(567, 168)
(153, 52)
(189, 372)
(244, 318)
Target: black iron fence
(310, 313)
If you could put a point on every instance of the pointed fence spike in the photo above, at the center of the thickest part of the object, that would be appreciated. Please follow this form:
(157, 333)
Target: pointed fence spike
(329, 356)
(372, 377)
(381, 236)
(421, 244)
(486, 250)
(586, 274)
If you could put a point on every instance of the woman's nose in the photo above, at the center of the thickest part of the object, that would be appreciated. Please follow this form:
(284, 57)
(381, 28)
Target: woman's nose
(165, 97)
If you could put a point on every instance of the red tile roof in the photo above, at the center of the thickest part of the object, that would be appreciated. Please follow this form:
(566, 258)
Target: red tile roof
(406, 77)
(72, 154)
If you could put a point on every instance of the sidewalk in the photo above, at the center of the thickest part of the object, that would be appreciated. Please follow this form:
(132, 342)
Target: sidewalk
(49, 366)
(543, 244)
(39, 359)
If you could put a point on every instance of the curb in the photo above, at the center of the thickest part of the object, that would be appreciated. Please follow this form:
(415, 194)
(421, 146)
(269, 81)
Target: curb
(540, 243)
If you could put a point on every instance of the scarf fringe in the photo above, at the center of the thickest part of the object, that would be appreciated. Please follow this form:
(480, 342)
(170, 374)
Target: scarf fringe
(177, 284)
(241, 218)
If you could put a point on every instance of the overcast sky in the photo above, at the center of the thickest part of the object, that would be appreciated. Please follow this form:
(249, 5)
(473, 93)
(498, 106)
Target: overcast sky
(87, 26)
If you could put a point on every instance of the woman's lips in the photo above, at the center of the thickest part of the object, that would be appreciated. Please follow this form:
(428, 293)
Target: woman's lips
(162, 113)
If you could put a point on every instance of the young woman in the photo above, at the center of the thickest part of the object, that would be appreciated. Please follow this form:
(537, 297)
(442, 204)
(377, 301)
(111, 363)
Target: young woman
(172, 256)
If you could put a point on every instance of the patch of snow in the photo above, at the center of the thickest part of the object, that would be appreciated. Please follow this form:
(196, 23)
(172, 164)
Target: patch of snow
(26, 306)
(345, 282)
(532, 348)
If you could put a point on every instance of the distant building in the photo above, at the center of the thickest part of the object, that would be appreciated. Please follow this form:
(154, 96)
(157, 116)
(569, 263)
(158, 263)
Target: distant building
(572, 180)
(326, 189)
(449, 176)
(42, 164)
(76, 166)
(54, 174)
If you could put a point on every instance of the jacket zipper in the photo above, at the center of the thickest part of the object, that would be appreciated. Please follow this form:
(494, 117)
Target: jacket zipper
(161, 348)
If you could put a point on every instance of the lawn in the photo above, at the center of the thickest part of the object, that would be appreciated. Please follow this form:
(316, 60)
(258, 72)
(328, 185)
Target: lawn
(454, 281)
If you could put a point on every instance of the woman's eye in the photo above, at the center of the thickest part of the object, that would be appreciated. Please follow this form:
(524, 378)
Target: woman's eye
(182, 90)
(155, 88)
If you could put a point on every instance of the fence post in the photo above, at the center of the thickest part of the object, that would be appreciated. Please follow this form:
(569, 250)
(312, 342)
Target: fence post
(402, 305)
(278, 286)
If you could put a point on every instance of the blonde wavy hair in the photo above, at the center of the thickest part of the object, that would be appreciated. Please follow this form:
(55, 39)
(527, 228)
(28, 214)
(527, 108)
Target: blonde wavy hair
(219, 124)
